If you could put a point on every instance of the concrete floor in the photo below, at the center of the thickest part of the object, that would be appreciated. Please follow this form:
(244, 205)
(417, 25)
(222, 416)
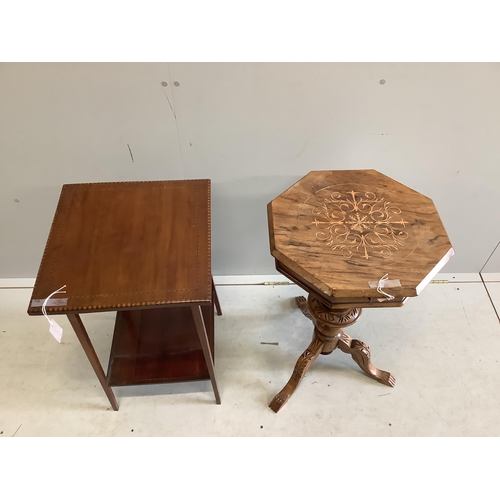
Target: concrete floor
(443, 348)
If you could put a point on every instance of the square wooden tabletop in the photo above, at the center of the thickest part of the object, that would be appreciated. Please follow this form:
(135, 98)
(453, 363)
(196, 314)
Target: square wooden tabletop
(125, 245)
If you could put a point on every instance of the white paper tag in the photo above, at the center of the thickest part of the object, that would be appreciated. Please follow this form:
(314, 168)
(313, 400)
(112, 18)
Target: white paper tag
(55, 330)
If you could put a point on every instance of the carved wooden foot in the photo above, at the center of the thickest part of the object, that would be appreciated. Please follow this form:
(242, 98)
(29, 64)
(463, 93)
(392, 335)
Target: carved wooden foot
(360, 353)
(301, 367)
(302, 305)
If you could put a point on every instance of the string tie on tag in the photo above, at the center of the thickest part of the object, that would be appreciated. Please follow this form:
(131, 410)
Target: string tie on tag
(381, 284)
(44, 312)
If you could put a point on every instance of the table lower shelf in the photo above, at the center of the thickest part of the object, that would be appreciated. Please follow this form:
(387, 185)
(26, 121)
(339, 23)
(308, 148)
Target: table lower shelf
(158, 346)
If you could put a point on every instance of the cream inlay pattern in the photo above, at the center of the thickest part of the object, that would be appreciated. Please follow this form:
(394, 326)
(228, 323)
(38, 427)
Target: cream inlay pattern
(363, 223)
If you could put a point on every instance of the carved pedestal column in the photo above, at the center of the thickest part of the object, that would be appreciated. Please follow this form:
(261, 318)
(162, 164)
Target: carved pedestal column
(327, 336)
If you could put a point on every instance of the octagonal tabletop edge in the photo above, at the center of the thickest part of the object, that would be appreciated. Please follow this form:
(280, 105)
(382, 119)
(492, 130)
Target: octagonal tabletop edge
(343, 230)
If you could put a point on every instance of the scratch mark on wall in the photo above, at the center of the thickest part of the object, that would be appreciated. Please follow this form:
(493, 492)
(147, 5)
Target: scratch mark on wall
(489, 296)
(491, 254)
(303, 149)
(170, 105)
(299, 154)
(130, 151)
(484, 284)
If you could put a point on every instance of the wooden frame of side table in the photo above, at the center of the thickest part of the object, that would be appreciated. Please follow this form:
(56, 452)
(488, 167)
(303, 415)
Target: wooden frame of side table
(141, 249)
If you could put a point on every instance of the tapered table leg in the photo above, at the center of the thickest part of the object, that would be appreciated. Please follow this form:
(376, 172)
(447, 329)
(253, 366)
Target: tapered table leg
(216, 300)
(202, 334)
(84, 339)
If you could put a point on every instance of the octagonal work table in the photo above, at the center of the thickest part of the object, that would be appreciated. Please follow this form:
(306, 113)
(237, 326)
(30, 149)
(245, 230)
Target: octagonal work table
(352, 239)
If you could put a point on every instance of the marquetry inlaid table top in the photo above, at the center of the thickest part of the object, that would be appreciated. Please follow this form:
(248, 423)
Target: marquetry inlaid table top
(343, 230)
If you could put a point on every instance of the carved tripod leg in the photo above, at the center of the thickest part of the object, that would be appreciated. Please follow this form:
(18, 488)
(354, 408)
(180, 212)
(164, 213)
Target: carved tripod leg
(360, 353)
(301, 367)
(302, 305)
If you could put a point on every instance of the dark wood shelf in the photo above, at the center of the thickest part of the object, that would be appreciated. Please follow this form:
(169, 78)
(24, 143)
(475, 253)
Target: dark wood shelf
(157, 346)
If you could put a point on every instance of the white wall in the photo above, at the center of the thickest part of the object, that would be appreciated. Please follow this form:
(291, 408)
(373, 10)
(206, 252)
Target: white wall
(254, 129)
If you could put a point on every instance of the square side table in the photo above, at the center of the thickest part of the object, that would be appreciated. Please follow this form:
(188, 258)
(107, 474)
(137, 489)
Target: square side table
(141, 249)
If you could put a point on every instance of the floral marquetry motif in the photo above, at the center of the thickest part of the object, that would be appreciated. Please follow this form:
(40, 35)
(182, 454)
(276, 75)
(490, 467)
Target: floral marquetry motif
(359, 222)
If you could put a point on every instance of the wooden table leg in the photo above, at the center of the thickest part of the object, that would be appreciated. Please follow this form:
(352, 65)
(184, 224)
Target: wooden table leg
(301, 367)
(84, 339)
(329, 322)
(202, 334)
(216, 300)
(360, 352)
(328, 335)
